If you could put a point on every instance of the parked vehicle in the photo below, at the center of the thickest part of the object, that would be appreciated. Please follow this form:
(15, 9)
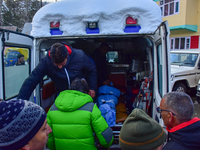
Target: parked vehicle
(139, 53)
(185, 69)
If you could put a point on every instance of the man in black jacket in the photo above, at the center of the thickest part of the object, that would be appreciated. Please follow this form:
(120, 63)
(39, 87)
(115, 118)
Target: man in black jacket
(62, 64)
(176, 109)
(99, 57)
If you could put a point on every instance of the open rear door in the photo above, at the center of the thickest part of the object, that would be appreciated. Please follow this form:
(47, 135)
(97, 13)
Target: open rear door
(13, 74)
(161, 66)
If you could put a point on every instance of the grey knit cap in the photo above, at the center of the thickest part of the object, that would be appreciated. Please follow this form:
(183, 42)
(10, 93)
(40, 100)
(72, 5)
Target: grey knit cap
(20, 120)
(141, 132)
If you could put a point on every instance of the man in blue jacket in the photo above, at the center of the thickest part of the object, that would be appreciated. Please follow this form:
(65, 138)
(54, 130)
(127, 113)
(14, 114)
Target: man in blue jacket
(176, 109)
(62, 64)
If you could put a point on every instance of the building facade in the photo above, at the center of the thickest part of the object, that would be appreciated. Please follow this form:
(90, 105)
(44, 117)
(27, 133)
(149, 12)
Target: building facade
(183, 17)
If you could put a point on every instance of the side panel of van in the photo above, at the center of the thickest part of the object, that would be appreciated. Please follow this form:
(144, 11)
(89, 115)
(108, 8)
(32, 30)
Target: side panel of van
(13, 75)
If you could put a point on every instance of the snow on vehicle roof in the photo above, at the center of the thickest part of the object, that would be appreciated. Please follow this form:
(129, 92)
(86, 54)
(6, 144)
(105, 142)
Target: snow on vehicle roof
(110, 14)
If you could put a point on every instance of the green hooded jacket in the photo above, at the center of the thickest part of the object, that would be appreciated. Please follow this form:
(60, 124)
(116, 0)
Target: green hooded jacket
(74, 119)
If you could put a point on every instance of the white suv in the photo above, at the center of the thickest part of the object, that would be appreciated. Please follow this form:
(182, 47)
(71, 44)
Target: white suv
(185, 69)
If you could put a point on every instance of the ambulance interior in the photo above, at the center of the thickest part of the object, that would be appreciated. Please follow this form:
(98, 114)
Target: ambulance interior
(129, 63)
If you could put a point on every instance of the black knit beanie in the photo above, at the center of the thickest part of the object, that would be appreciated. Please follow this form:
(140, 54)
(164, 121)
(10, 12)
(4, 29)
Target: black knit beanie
(141, 132)
(20, 120)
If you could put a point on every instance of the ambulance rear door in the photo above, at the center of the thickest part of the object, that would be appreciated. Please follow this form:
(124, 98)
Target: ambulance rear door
(161, 66)
(12, 75)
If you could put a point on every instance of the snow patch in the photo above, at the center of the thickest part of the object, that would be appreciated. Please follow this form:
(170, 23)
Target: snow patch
(110, 14)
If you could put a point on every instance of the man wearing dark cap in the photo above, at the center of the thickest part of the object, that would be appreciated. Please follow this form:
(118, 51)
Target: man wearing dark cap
(20, 60)
(141, 132)
(62, 64)
(23, 126)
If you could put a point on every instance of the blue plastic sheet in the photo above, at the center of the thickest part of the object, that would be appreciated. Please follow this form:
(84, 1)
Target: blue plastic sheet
(109, 114)
(105, 89)
(107, 99)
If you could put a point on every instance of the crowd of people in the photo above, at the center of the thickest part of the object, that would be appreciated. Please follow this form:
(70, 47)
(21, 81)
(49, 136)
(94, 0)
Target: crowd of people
(75, 122)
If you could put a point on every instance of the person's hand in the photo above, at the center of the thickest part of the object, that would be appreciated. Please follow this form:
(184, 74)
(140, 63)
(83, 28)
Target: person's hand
(107, 82)
(92, 93)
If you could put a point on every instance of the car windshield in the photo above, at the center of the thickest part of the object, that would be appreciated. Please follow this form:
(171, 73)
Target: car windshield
(183, 59)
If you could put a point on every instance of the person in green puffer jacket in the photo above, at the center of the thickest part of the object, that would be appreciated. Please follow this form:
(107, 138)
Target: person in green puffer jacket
(74, 119)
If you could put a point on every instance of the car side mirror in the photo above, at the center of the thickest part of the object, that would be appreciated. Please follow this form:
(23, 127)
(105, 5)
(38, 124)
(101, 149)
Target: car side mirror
(199, 65)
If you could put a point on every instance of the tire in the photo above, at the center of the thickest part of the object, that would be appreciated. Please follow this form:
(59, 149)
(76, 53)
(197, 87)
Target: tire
(198, 96)
(180, 87)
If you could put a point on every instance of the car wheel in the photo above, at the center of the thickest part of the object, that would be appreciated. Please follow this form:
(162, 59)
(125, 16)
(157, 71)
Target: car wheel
(198, 96)
(180, 87)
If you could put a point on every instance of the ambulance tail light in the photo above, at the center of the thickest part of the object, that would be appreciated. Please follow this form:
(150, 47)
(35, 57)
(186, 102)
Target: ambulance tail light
(131, 25)
(54, 24)
(131, 21)
(54, 28)
(92, 28)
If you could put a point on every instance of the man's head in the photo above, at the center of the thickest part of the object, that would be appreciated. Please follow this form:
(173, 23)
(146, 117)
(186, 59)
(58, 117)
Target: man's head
(104, 48)
(20, 58)
(59, 54)
(179, 106)
(80, 85)
(22, 126)
(140, 131)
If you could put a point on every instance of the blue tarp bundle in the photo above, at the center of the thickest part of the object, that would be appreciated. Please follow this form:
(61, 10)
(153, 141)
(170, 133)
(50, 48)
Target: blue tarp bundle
(106, 101)
(105, 89)
(109, 114)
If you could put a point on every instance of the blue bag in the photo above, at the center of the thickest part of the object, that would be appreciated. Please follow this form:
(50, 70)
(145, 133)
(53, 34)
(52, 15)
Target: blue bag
(105, 89)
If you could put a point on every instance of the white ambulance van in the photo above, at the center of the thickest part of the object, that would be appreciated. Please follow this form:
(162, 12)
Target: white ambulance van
(134, 29)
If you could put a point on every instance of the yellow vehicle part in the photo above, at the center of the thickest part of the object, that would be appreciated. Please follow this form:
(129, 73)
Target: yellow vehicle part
(23, 51)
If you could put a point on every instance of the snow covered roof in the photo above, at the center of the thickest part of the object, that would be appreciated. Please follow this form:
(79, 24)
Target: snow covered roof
(110, 14)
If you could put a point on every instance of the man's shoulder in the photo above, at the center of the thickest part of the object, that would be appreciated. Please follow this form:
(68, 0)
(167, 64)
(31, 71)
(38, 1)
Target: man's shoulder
(77, 54)
(172, 145)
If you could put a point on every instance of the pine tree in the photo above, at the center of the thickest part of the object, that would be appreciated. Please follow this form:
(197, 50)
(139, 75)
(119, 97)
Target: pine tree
(19, 12)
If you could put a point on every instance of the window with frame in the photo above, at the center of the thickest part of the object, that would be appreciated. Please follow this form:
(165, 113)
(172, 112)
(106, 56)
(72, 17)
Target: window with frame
(169, 7)
(180, 43)
(16, 69)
